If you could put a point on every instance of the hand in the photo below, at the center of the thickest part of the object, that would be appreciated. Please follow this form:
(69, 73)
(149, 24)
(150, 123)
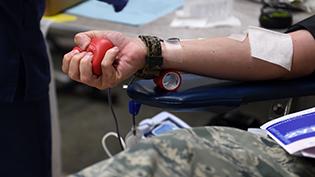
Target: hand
(119, 63)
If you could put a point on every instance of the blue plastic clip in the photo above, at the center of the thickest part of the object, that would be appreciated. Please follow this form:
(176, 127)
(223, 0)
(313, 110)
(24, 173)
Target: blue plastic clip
(134, 107)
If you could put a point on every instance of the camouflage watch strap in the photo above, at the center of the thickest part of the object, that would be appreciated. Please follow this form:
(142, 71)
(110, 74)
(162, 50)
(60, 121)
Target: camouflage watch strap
(154, 59)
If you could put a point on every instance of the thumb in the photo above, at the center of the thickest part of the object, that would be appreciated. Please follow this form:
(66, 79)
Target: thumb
(110, 56)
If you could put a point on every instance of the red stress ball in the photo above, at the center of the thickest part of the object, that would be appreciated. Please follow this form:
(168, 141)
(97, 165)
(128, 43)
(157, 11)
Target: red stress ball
(99, 47)
(168, 80)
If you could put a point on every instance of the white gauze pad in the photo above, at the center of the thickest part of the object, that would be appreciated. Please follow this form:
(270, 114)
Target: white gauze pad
(271, 46)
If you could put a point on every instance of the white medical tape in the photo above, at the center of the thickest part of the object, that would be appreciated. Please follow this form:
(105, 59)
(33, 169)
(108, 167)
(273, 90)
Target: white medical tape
(238, 37)
(271, 46)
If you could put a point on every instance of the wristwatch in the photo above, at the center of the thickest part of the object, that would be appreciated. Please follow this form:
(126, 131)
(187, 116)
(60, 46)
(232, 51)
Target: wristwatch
(153, 60)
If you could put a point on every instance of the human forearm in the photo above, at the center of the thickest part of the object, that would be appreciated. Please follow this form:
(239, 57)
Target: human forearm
(230, 59)
(215, 57)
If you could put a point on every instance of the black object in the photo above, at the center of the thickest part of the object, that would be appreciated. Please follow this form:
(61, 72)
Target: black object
(278, 109)
(307, 24)
(235, 119)
(275, 17)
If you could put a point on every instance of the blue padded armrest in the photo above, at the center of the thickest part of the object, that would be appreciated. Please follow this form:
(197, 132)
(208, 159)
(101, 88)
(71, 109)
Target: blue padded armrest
(201, 92)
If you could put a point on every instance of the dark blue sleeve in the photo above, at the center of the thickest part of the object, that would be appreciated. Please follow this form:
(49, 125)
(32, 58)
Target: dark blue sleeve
(117, 4)
(307, 24)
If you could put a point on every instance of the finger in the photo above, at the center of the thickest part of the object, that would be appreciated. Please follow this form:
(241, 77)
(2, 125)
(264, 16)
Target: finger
(74, 72)
(110, 56)
(86, 74)
(66, 60)
(83, 39)
(108, 76)
(115, 37)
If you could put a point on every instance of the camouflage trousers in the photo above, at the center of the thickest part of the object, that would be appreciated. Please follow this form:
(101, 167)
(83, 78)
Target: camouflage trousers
(204, 152)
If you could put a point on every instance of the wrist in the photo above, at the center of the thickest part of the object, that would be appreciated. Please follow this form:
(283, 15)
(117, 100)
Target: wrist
(143, 51)
(172, 52)
(153, 57)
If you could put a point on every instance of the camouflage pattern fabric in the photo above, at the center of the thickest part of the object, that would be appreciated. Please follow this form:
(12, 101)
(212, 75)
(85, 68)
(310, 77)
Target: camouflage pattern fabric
(204, 152)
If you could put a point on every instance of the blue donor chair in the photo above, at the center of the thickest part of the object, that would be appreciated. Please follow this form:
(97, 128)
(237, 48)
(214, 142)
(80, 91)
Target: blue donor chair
(198, 92)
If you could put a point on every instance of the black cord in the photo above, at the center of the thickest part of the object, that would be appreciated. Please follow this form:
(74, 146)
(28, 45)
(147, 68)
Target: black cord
(134, 130)
(133, 78)
(109, 97)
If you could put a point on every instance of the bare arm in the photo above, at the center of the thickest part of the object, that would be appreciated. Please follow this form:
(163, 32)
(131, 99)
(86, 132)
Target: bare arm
(215, 57)
(230, 59)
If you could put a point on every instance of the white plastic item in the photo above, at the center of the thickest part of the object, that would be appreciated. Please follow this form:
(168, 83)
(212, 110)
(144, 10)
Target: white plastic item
(212, 10)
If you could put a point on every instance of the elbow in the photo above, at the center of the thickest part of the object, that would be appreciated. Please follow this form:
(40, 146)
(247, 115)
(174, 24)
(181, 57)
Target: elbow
(303, 61)
(297, 72)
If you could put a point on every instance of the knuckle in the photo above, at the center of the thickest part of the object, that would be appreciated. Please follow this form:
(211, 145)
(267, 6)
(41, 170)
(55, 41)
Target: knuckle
(111, 53)
(72, 75)
(118, 34)
(84, 62)
(76, 58)
(115, 36)
(66, 56)
(77, 36)
(85, 79)
(104, 64)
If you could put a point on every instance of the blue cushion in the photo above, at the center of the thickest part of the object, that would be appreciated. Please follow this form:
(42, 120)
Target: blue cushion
(201, 92)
